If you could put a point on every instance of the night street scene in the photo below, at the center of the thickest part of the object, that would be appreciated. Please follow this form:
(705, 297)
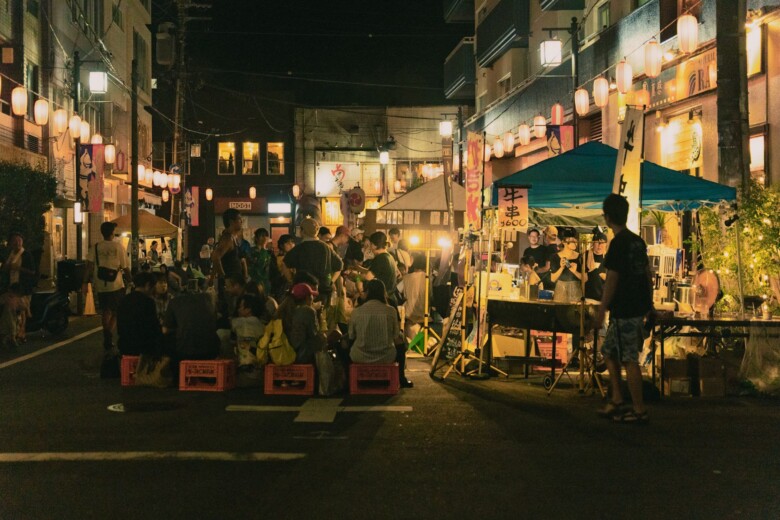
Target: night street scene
(416, 259)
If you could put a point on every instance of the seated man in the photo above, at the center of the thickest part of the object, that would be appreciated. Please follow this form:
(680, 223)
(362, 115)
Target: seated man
(191, 327)
(137, 323)
(304, 333)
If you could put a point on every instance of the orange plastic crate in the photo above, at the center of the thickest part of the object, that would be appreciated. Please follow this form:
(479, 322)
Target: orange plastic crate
(276, 376)
(373, 379)
(216, 375)
(128, 365)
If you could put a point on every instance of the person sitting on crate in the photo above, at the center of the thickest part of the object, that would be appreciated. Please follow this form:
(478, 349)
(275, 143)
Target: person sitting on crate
(375, 332)
(248, 327)
(190, 328)
(138, 326)
(304, 334)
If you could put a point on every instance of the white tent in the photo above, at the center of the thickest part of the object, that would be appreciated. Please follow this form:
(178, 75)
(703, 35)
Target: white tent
(148, 225)
(429, 196)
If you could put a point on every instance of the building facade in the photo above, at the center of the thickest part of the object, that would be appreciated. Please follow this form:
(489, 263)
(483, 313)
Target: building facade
(501, 69)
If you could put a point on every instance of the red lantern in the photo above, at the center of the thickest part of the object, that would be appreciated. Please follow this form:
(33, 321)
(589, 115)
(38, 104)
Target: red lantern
(556, 114)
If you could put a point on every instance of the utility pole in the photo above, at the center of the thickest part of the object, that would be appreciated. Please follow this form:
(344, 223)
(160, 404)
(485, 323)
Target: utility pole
(575, 78)
(733, 129)
(134, 166)
(79, 199)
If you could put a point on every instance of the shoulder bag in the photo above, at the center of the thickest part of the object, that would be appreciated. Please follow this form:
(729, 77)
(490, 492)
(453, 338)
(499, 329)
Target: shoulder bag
(105, 274)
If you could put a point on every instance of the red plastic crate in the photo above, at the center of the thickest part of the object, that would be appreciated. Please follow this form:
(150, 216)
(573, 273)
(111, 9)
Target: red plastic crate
(276, 375)
(215, 375)
(373, 379)
(128, 365)
(545, 351)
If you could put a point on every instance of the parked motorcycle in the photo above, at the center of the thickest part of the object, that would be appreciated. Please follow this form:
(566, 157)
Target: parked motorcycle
(50, 312)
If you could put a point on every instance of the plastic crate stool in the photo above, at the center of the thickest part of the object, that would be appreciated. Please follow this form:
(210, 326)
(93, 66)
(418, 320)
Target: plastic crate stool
(128, 365)
(213, 375)
(276, 378)
(377, 379)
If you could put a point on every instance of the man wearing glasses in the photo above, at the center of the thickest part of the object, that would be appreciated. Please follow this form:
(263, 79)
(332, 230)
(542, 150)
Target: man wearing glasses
(628, 298)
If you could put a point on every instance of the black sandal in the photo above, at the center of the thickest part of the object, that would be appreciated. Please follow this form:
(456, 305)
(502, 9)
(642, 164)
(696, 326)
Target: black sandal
(632, 417)
(612, 409)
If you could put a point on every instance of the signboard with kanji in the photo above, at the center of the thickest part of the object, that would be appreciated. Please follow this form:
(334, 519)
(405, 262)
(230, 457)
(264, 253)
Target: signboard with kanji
(513, 208)
(628, 170)
(473, 173)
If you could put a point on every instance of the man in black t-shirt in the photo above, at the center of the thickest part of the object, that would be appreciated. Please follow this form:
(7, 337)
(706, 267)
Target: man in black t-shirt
(628, 297)
(540, 253)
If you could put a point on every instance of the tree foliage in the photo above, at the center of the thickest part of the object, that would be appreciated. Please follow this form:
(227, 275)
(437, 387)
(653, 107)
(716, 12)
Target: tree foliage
(26, 194)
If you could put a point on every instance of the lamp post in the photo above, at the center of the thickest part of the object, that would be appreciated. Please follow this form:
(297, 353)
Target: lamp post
(573, 30)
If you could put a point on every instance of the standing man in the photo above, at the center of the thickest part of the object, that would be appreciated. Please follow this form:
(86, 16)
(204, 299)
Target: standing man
(261, 262)
(628, 298)
(316, 257)
(540, 253)
(110, 287)
(227, 259)
(394, 235)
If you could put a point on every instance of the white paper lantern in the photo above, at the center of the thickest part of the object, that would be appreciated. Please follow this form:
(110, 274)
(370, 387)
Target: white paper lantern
(581, 101)
(653, 59)
(84, 132)
(165, 196)
(687, 33)
(19, 101)
(96, 138)
(74, 125)
(60, 121)
(176, 179)
(141, 173)
(252, 192)
(524, 134)
(209, 194)
(551, 53)
(498, 148)
(556, 114)
(41, 112)
(625, 76)
(601, 91)
(540, 126)
(384, 157)
(509, 142)
(149, 176)
(488, 152)
(157, 178)
(109, 153)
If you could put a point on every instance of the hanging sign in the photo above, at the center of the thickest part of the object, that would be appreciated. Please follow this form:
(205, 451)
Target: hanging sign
(356, 198)
(628, 170)
(513, 208)
(473, 172)
(560, 139)
(91, 180)
(191, 198)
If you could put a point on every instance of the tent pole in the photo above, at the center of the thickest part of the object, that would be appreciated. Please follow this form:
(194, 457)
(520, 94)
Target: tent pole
(737, 233)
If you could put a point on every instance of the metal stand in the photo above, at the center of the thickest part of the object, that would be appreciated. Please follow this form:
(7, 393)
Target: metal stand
(420, 341)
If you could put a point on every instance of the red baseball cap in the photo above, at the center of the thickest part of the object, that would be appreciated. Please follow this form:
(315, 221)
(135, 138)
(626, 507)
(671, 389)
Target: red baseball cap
(302, 290)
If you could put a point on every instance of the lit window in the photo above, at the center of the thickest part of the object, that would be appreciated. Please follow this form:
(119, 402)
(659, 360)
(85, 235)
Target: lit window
(226, 164)
(275, 159)
(753, 39)
(757, 158)
(250, 155)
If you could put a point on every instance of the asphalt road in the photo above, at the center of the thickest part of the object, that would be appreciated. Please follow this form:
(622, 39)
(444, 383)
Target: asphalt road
(458, 449)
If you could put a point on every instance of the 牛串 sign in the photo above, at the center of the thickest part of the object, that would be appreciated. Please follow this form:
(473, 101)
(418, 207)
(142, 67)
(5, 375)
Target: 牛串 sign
(513, 208)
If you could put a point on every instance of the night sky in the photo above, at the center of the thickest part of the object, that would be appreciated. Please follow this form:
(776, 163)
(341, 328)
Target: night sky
(336, 52)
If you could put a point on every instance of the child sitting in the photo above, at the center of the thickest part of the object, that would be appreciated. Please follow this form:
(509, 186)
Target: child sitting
(248, 329)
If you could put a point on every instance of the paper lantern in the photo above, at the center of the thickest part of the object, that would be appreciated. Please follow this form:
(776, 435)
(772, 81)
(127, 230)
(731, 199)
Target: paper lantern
(498, 148)
(141, 173)
(556, 114)
(601, 91)
(581, 101)
(175, 180)
(74, 125)
(165, 196)
(41, 112)
(109, 153)
(19, 101)
(687, 33)
(78, 216)
(96, 138)
(551, 52)
(209, 194)
(60, 121)
(524, 134)
(149, 175)
(540, 126)
(488, 152)
(296, 191)
(84, 132)
(252, 192)
(509, 142)
(642, 98)
(653, 59)
(157, 178)
(445, 128)
(625, 76)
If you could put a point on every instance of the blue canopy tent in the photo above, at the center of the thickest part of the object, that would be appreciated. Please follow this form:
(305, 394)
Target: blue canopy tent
(577, 182)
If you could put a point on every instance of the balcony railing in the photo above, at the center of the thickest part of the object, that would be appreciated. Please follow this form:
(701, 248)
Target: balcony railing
(460, 70)
(458, 11)
(561, 5)
(505, 27)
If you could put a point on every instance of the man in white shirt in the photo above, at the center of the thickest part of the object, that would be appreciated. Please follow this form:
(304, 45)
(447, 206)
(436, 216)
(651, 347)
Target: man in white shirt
(110, 255)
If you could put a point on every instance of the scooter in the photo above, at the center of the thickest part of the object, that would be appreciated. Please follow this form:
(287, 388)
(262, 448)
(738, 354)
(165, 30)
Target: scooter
(50, 312)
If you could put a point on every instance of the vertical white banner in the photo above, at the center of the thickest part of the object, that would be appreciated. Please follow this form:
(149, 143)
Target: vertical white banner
(628, 170)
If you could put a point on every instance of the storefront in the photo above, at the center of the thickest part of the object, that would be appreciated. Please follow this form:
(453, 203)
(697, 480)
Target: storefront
(257, 213)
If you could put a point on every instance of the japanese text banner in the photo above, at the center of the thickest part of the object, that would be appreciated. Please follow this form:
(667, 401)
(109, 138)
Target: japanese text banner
(473, 173)
(513, 208)
(628, 170)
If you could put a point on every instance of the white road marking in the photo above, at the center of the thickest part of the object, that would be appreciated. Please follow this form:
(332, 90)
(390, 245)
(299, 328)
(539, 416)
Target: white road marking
(77, 456)
(318, 410)
(49, 348)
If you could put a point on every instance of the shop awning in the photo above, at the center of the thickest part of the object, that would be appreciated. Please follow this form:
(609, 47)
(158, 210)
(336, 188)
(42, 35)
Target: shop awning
(429, 196)
(582, 178)
(148, 225)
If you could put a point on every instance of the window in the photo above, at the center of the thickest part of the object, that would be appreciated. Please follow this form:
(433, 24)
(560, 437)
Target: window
(116, 16)
(603, 18)
(226, 162)
(758, 158)
(275, 159)
(250, 154)
(31, 82)
(141, 53)
(754, 39)
(504, 85)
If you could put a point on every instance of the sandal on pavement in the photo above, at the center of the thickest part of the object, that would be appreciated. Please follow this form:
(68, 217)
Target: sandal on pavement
(612, 409)
(632, 417)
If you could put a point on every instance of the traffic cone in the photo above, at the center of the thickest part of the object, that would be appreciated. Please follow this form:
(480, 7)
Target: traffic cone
(89, 304)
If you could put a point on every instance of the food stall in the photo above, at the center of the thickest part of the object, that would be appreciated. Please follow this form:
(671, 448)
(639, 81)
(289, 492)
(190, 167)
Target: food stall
(150, 227)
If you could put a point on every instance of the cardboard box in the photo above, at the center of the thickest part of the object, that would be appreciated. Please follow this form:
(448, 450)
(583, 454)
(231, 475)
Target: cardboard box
(508, 346)
(675, 368)
(710, 368)
(712, 387)
(677, 386)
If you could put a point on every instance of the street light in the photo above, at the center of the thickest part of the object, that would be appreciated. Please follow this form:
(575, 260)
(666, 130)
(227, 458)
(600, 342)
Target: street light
(551, 48)
(384, 157)
(445, 128)
(551, 52)
(98, 82)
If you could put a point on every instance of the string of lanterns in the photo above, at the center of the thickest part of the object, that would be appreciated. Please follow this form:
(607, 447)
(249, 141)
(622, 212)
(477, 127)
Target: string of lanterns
(688, 41)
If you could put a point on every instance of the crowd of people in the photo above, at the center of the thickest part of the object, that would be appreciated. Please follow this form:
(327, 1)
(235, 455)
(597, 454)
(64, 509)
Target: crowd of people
(337, 291)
